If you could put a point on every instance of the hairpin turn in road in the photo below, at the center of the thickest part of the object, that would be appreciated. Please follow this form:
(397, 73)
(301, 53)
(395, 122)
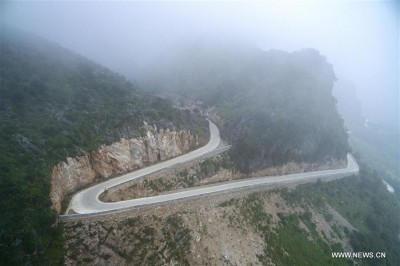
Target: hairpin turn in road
(87, 203)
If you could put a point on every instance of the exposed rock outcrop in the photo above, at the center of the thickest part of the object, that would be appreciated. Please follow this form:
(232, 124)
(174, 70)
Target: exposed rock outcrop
(118, 158)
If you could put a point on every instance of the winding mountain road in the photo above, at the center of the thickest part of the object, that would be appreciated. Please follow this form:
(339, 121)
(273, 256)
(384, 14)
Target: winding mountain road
(87, 203)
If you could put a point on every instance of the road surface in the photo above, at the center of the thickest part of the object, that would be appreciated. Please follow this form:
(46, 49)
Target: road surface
(87, 201)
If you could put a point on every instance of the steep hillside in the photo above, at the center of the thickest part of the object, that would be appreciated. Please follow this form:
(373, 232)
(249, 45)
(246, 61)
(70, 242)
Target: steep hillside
(376, 142)
(275, 106)
(295, 226)
(56, 104)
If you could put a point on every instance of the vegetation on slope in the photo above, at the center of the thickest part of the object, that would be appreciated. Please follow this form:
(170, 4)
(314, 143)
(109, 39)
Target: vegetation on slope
(54, 104)
(276, 106)
(363, 200)
(139, 240)
(378, 143)
(379, 146)
(279, 226)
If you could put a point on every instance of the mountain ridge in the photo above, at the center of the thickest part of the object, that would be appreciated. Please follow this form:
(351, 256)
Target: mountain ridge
(276, 106)
(56, 104)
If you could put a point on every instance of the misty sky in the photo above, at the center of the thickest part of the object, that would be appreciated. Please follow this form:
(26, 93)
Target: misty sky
(360, 38)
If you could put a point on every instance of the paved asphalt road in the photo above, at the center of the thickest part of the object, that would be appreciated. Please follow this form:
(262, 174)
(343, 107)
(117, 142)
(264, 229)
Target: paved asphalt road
(86, 202)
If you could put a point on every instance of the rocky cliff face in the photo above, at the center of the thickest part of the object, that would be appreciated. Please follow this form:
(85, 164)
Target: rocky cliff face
(118, 158)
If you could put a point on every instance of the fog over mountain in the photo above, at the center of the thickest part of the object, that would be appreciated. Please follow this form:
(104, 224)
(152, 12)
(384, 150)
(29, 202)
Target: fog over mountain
(360, 39)
(107, 158)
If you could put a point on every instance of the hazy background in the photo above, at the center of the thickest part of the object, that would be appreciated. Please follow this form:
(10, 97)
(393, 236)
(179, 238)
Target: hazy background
(360, 38)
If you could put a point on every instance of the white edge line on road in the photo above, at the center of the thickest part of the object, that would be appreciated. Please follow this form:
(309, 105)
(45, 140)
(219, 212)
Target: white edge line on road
(109, 207)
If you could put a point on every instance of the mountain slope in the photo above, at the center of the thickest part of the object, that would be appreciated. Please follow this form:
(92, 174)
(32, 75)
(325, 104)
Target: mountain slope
(54, 104)
(377, 143)
(275, 106)
(295, 226)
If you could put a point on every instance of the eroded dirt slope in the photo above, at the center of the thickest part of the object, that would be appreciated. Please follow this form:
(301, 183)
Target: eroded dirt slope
(232, 229)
